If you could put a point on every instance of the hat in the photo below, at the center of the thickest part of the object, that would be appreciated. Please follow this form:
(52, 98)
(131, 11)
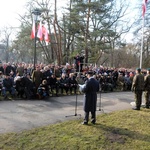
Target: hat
(138, 69)
(90, 73)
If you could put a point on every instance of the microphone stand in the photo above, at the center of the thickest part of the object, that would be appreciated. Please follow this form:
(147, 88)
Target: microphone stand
(75, 114)
(100, 101)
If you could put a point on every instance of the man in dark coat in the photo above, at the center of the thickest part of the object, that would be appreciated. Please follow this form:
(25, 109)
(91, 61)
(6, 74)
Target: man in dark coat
(63, 83)
(90, 98)
(137, 88)
(72, 83)
(53, 82)
(9, 69)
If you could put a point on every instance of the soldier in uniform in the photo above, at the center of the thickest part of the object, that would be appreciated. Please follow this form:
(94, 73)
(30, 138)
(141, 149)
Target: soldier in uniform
(137, 88)
(37, 77)
(147, 88)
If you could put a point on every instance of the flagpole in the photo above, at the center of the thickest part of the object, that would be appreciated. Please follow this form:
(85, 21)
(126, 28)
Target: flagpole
(36, 13)
(142, 43)
(142, 40)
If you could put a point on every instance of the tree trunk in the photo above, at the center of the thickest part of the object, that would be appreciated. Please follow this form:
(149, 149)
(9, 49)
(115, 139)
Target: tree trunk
(57, 37)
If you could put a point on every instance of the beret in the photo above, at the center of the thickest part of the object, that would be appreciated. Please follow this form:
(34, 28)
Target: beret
(138, 69)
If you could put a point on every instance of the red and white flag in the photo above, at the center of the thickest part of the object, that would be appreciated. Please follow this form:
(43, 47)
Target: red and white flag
(144, 7)
(46, 35)
(40, 31)
(33, 31)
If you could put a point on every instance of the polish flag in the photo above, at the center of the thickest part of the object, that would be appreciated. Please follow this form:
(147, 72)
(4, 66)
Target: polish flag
(46, 35)
(144, 7)
(40, 31)
(32, 36)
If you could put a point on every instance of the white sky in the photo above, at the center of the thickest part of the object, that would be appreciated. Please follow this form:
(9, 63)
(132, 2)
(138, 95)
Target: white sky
(9, 10)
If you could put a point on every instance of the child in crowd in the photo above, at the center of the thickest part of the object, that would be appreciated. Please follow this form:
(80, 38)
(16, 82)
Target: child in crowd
(43, 90)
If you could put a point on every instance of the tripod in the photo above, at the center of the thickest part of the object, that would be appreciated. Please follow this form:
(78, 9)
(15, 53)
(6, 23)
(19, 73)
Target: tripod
(100, 101)
(75, 114)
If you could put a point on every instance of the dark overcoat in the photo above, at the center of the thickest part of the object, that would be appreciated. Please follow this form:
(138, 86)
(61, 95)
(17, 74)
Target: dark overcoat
(90, 95)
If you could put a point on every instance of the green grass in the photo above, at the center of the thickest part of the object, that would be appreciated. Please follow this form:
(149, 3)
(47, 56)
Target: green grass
(120, 130)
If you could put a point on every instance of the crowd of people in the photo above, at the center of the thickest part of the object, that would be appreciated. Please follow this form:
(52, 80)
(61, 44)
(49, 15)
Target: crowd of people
(22, 80)
(41, 81)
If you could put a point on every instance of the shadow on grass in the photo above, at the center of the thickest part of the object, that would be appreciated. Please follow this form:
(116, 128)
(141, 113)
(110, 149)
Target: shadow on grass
(120, 135)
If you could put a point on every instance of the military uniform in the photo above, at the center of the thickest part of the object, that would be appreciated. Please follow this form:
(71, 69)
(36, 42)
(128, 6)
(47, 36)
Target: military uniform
(147, 88)
(137, 88)
(37, 77)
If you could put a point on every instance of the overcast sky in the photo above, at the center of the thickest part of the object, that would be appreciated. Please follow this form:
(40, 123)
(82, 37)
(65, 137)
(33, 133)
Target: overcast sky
(9, 10)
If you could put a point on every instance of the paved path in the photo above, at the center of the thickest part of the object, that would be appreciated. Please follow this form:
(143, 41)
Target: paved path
(21, 115)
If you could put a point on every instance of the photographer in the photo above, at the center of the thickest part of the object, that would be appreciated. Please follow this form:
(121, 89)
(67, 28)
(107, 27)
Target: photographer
(79, 62)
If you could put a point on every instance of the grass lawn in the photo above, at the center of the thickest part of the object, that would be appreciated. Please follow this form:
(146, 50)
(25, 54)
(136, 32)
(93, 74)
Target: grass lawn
(120, 130)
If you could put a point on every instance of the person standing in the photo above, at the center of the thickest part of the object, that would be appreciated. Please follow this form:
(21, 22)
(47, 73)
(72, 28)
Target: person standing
(90, 98)
(147, 88)
(37, 77)
(9, 69)
(20, 69)
(137, 88)
(79, 62)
